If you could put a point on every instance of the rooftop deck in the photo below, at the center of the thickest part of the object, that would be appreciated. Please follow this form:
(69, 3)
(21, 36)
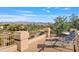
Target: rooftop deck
(33, 48)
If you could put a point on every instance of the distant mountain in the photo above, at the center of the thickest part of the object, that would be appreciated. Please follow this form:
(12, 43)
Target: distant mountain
(20, 22)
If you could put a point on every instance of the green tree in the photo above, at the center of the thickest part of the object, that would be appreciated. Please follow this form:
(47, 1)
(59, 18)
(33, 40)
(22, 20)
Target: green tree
(60, 25)
(74, 21)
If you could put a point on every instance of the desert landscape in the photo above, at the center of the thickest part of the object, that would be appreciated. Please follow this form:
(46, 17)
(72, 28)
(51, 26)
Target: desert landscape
(40, 29)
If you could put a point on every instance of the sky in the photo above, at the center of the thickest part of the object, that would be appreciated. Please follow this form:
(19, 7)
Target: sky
(35, 14)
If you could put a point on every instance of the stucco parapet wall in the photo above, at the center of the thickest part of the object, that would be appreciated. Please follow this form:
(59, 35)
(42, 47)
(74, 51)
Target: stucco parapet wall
(21, 35)
(43, 37)
(11, 48)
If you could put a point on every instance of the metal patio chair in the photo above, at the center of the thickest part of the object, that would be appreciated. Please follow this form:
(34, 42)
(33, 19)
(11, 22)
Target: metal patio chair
(67, 40)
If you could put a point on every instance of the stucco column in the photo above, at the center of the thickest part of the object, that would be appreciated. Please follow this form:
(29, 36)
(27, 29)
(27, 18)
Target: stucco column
(21, 39)
(77, 43)
(48, 32)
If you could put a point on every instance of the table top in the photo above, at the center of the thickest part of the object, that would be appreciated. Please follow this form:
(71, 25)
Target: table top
(66, 33)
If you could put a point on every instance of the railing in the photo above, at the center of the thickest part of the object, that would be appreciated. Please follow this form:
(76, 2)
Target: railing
(6, 39)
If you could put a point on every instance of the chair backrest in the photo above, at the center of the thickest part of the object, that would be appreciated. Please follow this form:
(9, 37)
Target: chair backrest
(70, 37)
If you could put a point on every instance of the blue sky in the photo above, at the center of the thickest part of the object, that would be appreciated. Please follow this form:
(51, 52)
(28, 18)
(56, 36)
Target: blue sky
(35, 14)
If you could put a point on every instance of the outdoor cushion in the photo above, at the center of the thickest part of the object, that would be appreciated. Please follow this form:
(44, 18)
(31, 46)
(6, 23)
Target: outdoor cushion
(70, 37)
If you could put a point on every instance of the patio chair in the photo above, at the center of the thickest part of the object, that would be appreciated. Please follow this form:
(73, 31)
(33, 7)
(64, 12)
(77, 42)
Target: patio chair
(67, 40)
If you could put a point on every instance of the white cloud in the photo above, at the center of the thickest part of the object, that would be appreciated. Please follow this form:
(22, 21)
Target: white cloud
(39, 15)
(49, 7)
(66, 8)
(29, 15)
(26, 11)
(56, 7)
(7, 16)
(28, 18)
(48, 11)
(11, 18)
(62, 8)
